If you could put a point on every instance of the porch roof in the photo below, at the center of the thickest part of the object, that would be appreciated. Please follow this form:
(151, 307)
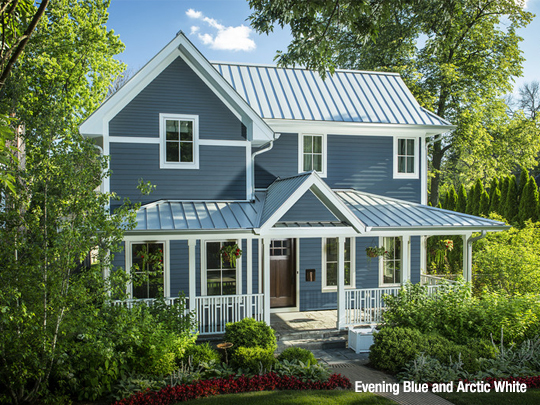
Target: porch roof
(384, 213)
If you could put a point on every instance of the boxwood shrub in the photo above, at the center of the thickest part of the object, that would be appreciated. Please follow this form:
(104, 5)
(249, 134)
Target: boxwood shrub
(250, 333)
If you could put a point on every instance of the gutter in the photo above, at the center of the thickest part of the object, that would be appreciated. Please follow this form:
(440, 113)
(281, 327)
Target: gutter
(265, 149)
(470, 240)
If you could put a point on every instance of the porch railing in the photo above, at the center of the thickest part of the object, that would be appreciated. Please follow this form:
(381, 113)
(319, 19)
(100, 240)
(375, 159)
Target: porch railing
(213, 312)
(430, 279)
(366, 306)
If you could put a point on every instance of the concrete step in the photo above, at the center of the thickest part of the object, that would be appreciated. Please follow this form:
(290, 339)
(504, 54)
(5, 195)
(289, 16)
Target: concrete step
(313, 343)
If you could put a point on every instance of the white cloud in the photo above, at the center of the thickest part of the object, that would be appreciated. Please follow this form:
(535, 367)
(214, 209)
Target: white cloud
(227, 38)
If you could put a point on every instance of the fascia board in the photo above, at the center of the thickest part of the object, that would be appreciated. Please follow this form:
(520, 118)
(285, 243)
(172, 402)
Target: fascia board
(354, 128)
(432, 231)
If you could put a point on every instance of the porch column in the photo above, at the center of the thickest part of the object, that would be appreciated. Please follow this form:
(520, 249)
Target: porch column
(341, 283)
(266, 279)
(406, 257)
(465, 259)
(192, 243)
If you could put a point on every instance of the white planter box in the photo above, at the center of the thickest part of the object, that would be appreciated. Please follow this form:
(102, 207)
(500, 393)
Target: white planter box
(360, 339)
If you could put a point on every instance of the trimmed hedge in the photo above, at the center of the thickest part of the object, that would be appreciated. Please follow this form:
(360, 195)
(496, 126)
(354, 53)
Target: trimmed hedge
(250, 333)
(254, 359)
(231, 385)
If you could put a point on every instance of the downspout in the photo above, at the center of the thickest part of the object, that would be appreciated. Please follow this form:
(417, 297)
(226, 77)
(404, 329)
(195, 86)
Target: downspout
(265, 149)
(470, 241)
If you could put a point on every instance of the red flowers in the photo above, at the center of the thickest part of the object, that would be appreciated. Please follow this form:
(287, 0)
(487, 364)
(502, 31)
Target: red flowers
(231, 385)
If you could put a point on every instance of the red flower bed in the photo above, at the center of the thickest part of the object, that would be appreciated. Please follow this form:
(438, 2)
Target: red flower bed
(231, 385)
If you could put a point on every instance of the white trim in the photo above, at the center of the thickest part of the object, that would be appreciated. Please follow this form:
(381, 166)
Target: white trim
(166, 263)
(204, 268)
(250, 183)
(192, 269)
(354, 128)
(415, 174)
(324, 156)
(163, 164)
(330, 232)
(249, 266)
(266, 282)
(224, 142)
(423, 170)
(133, 139)
(324, 287)
(381, 263)
(260, 264)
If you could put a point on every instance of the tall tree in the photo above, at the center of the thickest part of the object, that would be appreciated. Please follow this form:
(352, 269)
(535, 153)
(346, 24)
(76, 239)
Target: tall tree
(462, 70)
(528, 206)
(504, 193)
(529, 99)
(495, 201)
(452, 200)
(523, 177)
(462, 199)
(511, 207)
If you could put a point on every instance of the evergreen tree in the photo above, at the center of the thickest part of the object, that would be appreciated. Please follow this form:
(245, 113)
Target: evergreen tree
(528, 206)
(504, 193)
(470, 200)
(477, 200)
(439, 205)
(523, 178)
(462, 200)
(452, 200)
(511, 205)
(495, 201)
(492, 187)
(484, 203)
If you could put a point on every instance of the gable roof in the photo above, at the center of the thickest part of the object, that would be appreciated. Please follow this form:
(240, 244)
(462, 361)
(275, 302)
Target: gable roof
(346, 96)
(180, 46)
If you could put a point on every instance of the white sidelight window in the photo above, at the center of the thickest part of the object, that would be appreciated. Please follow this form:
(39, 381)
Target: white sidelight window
(330, 263)
(179, 139)
(406, 158)
(147, 270)
(219, 275)
(312, 153)
(391, 263)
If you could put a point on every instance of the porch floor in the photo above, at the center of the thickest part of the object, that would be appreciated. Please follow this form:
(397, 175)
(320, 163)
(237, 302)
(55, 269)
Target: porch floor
(285, 323)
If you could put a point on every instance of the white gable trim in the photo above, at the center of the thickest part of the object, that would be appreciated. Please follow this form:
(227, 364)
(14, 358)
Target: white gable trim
(325, 195)
(180, 46)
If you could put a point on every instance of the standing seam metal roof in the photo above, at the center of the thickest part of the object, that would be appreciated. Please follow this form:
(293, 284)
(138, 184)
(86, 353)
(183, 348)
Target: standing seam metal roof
(345, 96)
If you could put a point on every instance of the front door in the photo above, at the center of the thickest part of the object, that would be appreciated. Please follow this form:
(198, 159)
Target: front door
(282, 274)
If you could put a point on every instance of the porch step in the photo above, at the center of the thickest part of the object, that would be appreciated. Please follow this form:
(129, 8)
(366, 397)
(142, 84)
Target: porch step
(321, 339)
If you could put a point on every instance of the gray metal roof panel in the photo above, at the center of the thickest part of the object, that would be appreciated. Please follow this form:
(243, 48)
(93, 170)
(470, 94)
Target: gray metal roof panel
(345, 96)
(383, 212)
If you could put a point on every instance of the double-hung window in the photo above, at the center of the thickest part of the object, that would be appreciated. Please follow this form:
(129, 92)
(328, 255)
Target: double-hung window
(312, 153)
(330, 263)
(147, 268)
(391, 262)
(220, 275)
(405, 158)
(179, 138)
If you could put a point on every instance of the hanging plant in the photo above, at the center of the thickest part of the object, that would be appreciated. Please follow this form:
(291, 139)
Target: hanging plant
(230, 253)
(374, 251)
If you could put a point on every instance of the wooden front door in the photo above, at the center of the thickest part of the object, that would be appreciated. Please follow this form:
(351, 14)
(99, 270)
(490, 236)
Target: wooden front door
(282, 273)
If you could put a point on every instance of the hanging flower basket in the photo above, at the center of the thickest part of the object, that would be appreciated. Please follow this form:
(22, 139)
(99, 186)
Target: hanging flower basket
(374, 251)
(229, 254)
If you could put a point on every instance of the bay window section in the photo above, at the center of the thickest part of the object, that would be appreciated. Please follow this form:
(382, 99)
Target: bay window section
(220, 274)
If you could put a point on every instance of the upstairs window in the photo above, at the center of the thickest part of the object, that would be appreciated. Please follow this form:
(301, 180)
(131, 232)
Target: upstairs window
(312, 153)
(405, 158)
(179, 135)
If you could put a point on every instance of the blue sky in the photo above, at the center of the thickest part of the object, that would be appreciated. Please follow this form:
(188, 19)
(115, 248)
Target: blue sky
(220, 30)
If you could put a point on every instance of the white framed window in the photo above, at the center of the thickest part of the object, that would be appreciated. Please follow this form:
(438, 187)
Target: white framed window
(330, 263)
(406, 158)
(148, 265)
(391, 263)
(218, 276)
(312, 153)
(179, 141)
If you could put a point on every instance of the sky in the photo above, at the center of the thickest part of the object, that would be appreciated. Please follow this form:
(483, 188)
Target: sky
(221, 31)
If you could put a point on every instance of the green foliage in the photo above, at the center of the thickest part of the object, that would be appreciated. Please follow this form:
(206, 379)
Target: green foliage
(462, 200)
(529, 204)
(394, 347)
(250, 333)
(511, 203)
(508, 261)
(255, 359)
(495, 201)
(299, 354)
(451, 202)
(523, 177)
(504, 194)
(203, 353)
(471, 200)
(131, 384)
(303, 370)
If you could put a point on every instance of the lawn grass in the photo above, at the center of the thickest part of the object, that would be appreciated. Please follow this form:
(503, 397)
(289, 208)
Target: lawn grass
(336, 397)
(531, 397)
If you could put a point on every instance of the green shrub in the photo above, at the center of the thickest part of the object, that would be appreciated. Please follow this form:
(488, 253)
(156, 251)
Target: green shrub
(297, 353)
(254, 359)
(250, 333)
(204, 353)
(394, 347)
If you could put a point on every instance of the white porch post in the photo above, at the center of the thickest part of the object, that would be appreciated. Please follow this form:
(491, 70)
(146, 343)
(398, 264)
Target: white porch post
(423, 256)
(465, 259)
(341, 283)
(266, 279)
(192, 243)
(406, 257)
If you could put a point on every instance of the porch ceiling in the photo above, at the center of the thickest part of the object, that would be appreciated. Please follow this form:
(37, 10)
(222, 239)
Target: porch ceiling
(385, 214)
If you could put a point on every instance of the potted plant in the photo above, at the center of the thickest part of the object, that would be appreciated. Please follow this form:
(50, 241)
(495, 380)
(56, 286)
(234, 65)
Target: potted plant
(374, 251)
(229, 253)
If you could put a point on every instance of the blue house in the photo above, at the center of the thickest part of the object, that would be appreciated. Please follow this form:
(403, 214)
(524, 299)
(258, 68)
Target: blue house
(300, 174)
